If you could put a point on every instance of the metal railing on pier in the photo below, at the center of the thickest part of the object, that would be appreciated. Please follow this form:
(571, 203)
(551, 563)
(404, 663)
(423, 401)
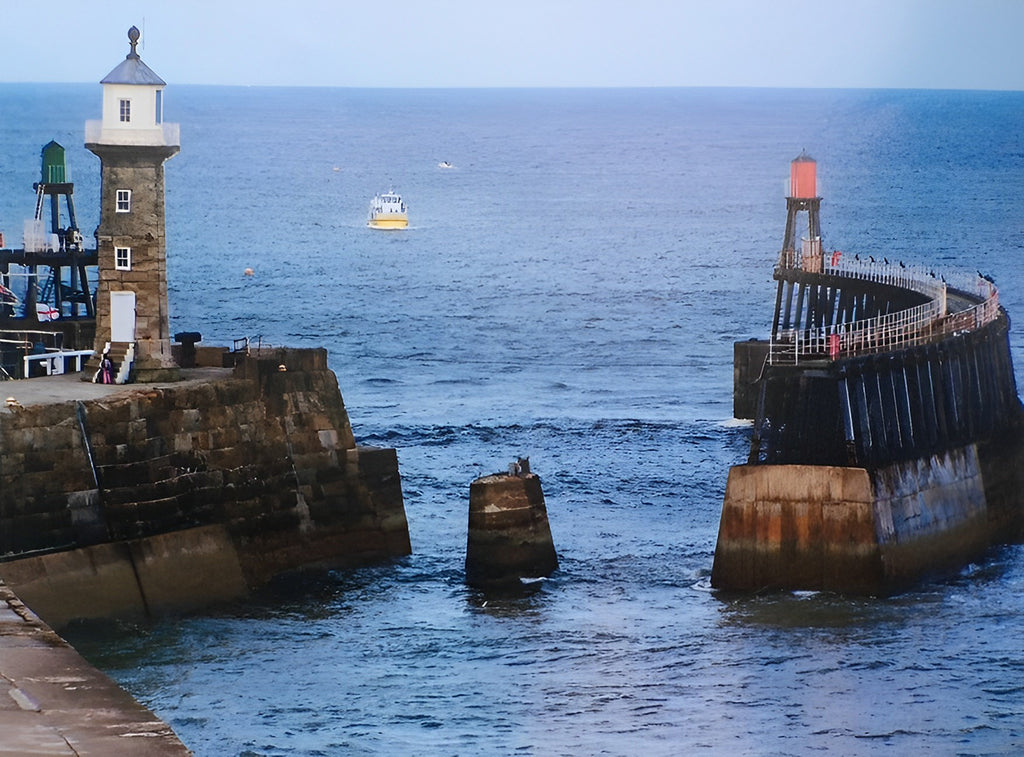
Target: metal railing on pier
(250, 345)
(26, 353)
(891, 331)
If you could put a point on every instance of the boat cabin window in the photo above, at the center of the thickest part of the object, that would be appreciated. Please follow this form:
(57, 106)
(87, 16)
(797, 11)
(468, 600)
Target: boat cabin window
(123, 258)
(126, 110)
(124, 201)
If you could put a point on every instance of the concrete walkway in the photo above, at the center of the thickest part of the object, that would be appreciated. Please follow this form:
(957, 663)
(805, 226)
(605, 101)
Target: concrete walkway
(70, 387)
(52, 702)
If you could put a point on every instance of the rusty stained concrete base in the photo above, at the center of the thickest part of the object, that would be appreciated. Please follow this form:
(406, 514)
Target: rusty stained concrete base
(509, 537)
(54, 703)
(847, 529)
(796, 527)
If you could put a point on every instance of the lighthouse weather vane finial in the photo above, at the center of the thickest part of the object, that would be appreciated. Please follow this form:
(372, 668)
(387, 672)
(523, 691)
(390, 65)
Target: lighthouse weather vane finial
(133, 37)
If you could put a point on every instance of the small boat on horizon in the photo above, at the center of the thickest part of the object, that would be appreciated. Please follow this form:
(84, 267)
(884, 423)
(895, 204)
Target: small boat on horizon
(388, 211)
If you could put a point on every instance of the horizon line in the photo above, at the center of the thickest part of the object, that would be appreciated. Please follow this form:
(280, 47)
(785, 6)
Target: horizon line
(551, 86)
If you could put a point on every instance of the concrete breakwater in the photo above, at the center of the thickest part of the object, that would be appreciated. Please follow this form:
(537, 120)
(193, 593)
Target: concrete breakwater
(869, 471)
(163, 498)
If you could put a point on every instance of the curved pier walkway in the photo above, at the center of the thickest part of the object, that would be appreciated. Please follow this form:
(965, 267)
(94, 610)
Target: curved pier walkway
(55, 703)
(828, 307)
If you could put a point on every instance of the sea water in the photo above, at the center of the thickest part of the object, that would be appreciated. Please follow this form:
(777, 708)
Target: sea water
(569, 290)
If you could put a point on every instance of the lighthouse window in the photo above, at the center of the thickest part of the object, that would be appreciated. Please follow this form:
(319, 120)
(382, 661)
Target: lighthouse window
(123, 258)
(124, 201)
(126, 111)
(159, 106)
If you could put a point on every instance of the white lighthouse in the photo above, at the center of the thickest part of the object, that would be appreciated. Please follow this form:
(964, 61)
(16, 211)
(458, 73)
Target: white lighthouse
(133, 143)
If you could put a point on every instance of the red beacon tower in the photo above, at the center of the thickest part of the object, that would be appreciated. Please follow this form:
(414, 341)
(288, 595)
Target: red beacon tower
(803, 197)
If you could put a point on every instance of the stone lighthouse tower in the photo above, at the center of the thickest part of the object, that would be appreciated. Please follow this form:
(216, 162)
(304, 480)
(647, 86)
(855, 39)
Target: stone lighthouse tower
(133, 142)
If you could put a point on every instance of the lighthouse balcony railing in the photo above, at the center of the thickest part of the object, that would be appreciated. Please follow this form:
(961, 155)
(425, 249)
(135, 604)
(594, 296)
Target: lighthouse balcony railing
(161, 135)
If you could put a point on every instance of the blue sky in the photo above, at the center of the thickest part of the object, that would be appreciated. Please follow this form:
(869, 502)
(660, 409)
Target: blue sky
(944, 44)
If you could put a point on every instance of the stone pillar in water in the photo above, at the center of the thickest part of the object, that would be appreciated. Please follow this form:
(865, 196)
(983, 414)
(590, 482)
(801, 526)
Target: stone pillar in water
(509, 536)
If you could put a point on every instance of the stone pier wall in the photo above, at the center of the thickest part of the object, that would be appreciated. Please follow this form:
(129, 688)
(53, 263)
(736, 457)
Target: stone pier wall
(191, 492)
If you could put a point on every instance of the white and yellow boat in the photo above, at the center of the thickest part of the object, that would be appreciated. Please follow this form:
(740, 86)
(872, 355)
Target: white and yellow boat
(388, 211)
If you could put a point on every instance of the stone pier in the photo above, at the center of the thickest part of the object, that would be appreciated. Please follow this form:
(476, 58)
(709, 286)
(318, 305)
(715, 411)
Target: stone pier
(143, 500)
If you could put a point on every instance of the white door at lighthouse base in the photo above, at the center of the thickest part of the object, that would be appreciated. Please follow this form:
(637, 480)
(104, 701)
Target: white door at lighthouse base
(122, 316)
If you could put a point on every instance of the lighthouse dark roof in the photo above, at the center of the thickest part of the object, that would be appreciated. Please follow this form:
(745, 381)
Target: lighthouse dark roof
(132, 70)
